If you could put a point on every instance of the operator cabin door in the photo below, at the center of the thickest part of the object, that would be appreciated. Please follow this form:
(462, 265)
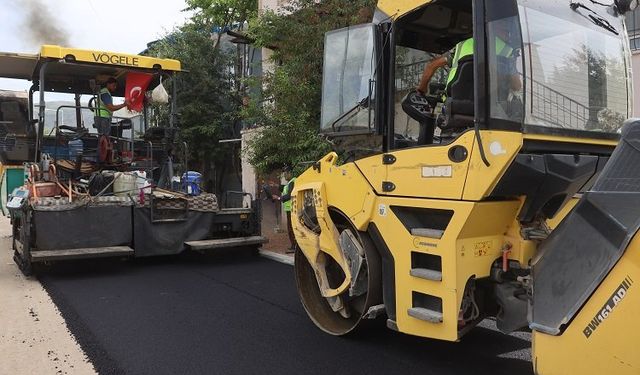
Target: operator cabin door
(429, 157)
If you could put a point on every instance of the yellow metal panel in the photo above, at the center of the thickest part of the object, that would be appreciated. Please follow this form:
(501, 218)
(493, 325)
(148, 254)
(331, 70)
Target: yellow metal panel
(564, 211)
(612, 348)
(429, 172)
(500, 148)
(586, 141)
(401, 243)
(316, 248)
(398, 8)
(109, 58)
(470, 244)
(374, 171)
(335, 186)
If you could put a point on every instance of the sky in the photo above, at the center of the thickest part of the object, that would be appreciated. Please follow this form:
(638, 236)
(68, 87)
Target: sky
(107, 25)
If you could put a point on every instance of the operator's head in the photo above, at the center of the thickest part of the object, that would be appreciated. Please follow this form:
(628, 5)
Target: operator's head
(287, 172)
(112, 84)
(503, 29)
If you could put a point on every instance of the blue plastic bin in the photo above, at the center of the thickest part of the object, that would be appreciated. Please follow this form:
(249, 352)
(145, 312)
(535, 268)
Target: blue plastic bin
(191, 183)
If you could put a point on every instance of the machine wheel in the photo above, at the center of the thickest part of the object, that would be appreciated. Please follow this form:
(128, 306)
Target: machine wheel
(20, 229)
(318, 307)
(25, 265)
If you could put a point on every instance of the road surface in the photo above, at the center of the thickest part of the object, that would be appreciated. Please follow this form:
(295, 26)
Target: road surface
(240, 314)
(33, 336)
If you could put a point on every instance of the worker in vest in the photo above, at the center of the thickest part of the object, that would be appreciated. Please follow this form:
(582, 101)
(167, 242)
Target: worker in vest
(416, 101)
(106, 107)
(286, 203)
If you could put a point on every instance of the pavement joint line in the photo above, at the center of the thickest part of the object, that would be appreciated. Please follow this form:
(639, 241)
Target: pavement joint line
(285, 259)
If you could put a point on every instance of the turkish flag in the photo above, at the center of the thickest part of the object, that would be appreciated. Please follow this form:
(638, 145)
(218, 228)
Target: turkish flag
(137, 84)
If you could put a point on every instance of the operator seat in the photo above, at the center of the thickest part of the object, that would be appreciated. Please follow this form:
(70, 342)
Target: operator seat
(460, 97)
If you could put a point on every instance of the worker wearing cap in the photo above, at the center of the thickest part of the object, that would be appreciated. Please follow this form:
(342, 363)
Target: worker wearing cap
(287, 205)
(106, 107)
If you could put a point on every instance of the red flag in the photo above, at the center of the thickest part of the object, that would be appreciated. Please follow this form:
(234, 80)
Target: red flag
(137, 84)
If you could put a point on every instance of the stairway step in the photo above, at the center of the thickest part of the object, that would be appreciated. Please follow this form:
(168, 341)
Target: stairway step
(427, 232)
(226, 242)
(96, 252)
(375, 311)
(425, 314)
(426, 274)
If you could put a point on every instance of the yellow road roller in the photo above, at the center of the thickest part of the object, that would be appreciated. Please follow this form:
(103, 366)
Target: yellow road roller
(484, 167)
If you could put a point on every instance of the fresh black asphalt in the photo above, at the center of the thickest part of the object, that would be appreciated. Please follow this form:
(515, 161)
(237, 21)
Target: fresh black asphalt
(235, 313)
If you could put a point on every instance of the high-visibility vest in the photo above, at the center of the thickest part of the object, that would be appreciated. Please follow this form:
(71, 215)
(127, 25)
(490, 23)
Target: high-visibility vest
(285, 191)
(103, 111)
(465, 48)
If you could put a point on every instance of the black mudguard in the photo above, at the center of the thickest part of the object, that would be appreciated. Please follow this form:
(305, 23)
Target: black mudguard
(586, 246)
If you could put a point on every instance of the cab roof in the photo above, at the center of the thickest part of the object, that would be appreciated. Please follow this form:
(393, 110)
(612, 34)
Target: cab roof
(71, 70)
(397, 8)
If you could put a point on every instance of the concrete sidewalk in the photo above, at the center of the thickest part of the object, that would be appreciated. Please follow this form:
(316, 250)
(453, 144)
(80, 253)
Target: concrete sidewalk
(33, 336)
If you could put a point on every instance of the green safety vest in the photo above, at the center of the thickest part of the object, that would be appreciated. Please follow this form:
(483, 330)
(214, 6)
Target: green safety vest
(285, 191)
(465, 48)
(103, 111)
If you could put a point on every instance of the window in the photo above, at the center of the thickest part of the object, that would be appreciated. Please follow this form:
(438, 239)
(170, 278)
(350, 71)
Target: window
(577, 75)
(505, 69)
(348, 79)
(633, 28)
(409, 66)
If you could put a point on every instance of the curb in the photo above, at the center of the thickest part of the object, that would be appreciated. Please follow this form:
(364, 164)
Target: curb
(285, 259)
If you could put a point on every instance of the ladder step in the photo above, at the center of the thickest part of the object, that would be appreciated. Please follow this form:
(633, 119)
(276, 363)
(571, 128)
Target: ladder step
(96, 252)
(391, 324)
(425, 314)
(427, 232)
(375, 311)
(226, 242)
(426, 274)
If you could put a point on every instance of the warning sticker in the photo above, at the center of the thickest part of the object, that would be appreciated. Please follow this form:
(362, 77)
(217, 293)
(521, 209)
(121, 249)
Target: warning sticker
(482, 248)
(440, 171)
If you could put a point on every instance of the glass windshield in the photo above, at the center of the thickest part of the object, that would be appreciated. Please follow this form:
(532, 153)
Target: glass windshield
(348, 75)
(577, 75)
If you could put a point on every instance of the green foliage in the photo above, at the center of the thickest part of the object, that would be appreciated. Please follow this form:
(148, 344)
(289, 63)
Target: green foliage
(223, 13)
(293, 89)
(205, 94)
(208, 100)
(289, 108)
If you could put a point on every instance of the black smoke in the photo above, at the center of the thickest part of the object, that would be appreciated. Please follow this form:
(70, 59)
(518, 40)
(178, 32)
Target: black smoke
(41, 25)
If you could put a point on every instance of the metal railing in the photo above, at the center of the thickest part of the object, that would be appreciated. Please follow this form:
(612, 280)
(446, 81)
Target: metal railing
(548, 105)
(557, 108)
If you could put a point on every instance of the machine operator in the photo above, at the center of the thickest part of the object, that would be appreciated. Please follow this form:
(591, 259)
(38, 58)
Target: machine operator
(106, 107)
(416, 104)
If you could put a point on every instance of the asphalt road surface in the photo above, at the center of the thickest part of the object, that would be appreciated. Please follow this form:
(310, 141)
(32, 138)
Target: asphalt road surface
(240, 314)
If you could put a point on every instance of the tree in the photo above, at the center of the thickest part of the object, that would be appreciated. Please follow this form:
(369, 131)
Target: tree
(223, 15)
(208, 102)
(290, 115)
